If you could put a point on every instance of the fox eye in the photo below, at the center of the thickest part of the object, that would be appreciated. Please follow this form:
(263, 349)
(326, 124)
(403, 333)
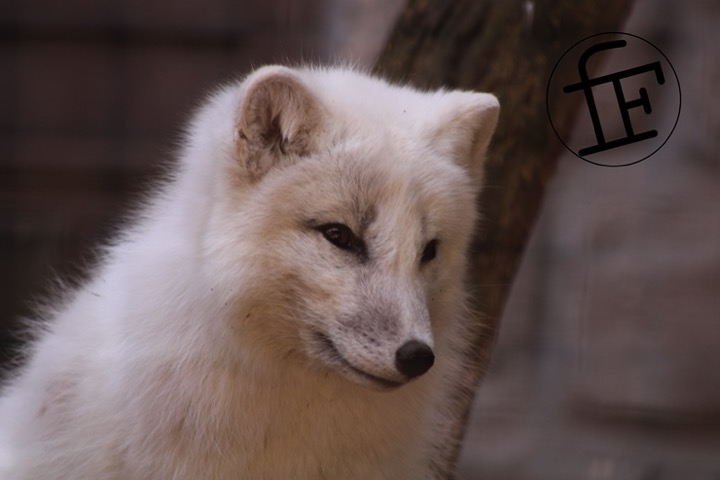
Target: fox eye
(429, 252)
(340, 235)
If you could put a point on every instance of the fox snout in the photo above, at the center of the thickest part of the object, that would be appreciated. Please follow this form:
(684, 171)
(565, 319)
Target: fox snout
(411, 360)
(381, 351)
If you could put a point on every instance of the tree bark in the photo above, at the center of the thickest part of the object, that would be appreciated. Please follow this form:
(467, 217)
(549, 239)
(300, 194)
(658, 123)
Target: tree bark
(508, 48)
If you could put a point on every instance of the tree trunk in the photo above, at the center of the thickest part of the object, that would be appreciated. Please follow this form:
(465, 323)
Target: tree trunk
(508, 48)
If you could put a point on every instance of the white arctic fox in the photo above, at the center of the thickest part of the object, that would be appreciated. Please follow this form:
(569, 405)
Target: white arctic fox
(289, 306)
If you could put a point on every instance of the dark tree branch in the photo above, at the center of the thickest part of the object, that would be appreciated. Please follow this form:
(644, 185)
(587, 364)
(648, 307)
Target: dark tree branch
(508, 48)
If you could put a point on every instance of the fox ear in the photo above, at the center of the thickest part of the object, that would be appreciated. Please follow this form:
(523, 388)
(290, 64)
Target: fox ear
(467, 125)
(279, 121)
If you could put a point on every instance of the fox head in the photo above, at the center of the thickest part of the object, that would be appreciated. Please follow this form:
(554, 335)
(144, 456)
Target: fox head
(340, 215)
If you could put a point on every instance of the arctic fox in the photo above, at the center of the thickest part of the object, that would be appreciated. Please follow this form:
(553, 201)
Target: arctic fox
(290, 305)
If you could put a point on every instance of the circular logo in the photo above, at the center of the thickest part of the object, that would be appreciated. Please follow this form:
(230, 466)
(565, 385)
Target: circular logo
(629, 98)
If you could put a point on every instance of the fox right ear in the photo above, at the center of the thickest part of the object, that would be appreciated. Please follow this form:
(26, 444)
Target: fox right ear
(279, 121)
(466, 126)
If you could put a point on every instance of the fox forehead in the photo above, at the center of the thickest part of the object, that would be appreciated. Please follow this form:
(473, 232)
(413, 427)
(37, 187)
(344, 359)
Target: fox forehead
(360, 100)
(361, 185)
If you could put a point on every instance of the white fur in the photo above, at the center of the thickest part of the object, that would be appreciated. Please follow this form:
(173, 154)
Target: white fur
(192, 352)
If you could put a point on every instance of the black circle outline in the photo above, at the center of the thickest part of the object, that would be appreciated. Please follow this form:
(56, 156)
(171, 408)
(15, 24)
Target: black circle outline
(547, 99)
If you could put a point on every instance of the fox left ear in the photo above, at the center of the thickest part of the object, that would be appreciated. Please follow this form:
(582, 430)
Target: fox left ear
(467, 125)
(279, 120)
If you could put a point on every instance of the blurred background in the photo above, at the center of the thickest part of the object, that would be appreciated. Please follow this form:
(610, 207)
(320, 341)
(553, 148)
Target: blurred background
(608, 360)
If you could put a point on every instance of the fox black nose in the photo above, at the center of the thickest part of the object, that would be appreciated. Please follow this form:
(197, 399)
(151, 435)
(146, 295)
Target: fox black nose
(414, 358)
